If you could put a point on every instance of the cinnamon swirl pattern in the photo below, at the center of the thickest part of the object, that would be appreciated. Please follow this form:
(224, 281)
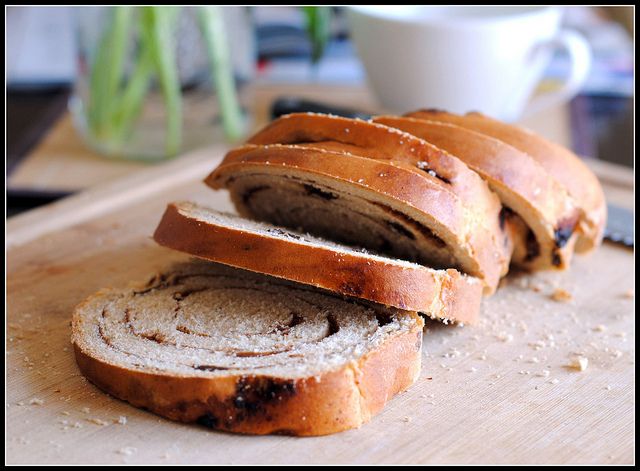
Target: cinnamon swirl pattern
(237, 352)
(389, 207)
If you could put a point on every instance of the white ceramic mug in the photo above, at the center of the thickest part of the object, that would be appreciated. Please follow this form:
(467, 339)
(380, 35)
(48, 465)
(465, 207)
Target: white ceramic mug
(461, 59)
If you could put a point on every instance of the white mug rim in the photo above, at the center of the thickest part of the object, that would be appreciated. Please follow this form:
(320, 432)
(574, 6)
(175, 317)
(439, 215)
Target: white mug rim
(519, 12)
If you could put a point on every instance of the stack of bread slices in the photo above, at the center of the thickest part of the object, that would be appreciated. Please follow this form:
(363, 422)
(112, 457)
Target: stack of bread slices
(349, 232)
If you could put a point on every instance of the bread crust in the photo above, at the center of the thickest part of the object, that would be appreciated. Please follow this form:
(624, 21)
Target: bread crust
(561, 164)
(420, 196)
(380, 142)
(523, 185)
(441, 294)
(332, 402)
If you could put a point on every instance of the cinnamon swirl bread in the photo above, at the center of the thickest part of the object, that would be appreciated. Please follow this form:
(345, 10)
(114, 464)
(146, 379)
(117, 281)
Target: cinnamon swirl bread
(243, 353)
(446, 295)
(545, 237)
(390, 207)
(560, 163)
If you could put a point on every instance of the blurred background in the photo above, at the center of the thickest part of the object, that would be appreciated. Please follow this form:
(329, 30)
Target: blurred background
(181, 81)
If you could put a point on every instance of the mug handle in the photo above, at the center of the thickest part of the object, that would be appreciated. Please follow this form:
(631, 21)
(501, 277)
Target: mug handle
(579, 53)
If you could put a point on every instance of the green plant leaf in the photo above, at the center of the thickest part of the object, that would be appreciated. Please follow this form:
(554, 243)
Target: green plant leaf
(318, 21)
(107, 70)
(213, 32)
(158, 26)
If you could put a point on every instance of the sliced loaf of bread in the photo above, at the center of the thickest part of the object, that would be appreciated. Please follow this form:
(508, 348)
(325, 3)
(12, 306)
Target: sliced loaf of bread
(560, 163)
(547, 237)
(243, 353)
(446, 295)
(380, 142)
(386, 206)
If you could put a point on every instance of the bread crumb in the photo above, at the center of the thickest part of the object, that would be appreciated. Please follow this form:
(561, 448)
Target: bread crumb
(608, 387)
(534, 360)
(630, 293)
(86, 410)
(538, 344)
(65, 412)
(122, 420)
(97, 421)
(504, 337)
(579, 363)
(599, 328)
(561, 295)
(554, 381)
(452, 354)
(482, 357)
(36, 401)
(472, 370)
(127, 450)
(406, 418)
(544, 373)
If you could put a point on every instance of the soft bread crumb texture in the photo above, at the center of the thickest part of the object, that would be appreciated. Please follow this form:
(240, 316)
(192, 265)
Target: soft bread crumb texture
(561, 295)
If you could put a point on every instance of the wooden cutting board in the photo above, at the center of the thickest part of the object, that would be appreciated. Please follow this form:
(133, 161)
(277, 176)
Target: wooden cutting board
(497, 392)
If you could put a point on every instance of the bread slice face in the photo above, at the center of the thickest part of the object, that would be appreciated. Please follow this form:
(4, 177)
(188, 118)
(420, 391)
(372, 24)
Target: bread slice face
(243, 353)
(380, 142)
(386, 206)
(560, 163)
(547, 237)
(446, 295)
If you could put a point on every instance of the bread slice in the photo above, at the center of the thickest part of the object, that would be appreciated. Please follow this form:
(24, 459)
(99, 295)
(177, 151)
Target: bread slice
(560, 163)
(523, 185)
(388, 207)
(446, 295)
(242, 353)
(376, 141)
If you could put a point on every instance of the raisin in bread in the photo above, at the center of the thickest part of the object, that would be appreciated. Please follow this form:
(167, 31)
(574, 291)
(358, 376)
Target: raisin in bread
(385, 206)
(446, 295)
(545, 237)
(243, 353)
(560, 163)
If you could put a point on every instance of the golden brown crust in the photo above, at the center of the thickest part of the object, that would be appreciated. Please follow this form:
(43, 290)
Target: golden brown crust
(563, 165)
(420, 196)
(410, 288)
(335, 401)
(523, 185)
(376, 141)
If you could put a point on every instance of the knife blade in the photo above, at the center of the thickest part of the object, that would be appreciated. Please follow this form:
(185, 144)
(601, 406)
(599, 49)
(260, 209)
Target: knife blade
(620, 226)
(286, 105)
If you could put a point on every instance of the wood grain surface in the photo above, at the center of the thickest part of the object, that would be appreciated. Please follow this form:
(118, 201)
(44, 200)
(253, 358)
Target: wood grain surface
(498, 392)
